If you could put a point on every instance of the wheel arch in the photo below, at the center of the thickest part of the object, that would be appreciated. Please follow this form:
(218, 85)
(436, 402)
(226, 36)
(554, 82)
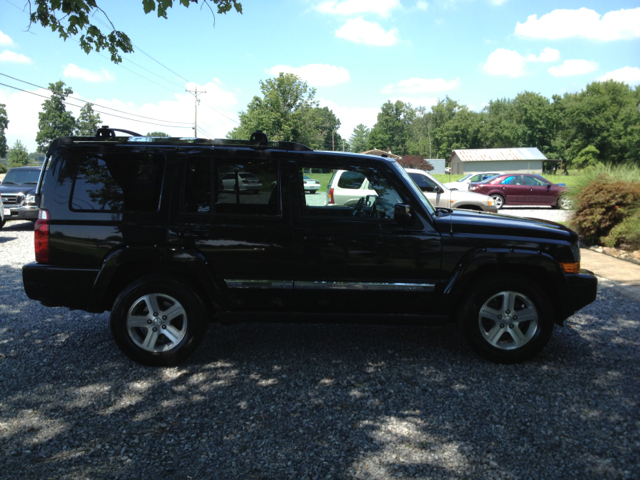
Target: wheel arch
(484, 263)
(126, 265)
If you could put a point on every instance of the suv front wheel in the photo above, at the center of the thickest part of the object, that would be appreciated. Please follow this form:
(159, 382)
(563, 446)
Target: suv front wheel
(158, 321)
(507, 319)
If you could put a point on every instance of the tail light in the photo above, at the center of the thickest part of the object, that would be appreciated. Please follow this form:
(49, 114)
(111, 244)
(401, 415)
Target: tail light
(41, 236)
(331, 201)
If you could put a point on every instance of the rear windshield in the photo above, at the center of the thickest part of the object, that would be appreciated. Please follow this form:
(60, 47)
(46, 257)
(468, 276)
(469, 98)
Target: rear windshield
(122, 183)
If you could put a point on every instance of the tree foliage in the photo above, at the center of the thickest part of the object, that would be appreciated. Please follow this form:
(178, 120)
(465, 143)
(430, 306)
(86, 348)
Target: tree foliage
(604, 116)
(158, 134)
(18, 155)
(288, 112)
(70, 18)
(359, 138)
(54, 121)
(4, 122)
(88, 122)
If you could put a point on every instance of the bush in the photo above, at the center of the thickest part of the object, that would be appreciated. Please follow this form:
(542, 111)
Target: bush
(604, 206)
(415, 161)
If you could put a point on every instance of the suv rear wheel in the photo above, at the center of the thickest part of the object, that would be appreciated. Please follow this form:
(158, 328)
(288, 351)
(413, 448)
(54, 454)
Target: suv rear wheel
(157, 321)
(507, 320)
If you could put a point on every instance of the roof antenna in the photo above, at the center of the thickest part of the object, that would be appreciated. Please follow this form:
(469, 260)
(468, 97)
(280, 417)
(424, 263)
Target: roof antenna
(260, 137)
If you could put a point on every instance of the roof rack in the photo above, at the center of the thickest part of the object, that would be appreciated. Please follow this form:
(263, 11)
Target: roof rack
(258, 140)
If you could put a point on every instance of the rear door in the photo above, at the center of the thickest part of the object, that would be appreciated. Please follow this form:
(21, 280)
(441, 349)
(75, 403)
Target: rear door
(356, 258)
(242, 229)
(514, 190)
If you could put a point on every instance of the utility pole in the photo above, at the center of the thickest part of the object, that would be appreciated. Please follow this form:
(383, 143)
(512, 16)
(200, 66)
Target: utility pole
(195, 94)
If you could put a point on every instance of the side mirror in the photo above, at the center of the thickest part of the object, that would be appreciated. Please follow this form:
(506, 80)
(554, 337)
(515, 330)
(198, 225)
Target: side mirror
(439, 189)
(548, 185)
(402, 213)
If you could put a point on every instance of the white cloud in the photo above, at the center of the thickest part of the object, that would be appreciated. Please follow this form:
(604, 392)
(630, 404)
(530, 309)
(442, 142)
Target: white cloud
(547, 55)
(351, 7)
(427, 102)
(629, 75)
(505, 62)
(388, 89)
(512, 64)
(217, 113)
(317, 75)
(573, 67)
(498, 2)
(358, 30)
(422, 5)
(73, 71)
(350, 117)
(422, 85)
(585, 23)
(5, 39)
(13, 57)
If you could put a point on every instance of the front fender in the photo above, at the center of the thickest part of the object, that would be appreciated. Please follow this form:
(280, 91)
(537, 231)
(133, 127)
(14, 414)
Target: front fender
(533, 264)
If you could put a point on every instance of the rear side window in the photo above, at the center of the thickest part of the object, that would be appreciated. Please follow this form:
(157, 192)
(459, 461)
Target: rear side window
(118, 183)
(238, 187)
(351, 180)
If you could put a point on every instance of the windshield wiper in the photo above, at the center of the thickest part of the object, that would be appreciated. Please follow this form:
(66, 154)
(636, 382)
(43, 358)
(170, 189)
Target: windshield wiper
(5, 182)
(30, 183)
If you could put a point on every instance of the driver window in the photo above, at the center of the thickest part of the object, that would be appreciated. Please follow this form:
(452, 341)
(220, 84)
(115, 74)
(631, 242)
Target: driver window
(350, 191)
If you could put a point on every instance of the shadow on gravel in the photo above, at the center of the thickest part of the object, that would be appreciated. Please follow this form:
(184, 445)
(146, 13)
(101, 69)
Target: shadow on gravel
(315, 401)
(17, 226)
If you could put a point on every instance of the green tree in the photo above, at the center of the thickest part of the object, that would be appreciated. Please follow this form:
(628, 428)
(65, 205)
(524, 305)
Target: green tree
(359, 138)
(54, 121)
(88, 122)
(605, 115)
(73, 17)
(463, 130)
(391, 130)
(4, 122)
(588, 157)
(318, 129)
(18, 155)
(158, 134)
(284, 112)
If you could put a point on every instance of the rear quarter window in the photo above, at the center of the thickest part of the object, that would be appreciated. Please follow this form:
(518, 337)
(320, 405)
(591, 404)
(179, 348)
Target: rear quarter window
(118, 183)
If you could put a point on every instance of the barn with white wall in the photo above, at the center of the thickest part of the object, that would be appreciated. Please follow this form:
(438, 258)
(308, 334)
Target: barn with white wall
(524, 160)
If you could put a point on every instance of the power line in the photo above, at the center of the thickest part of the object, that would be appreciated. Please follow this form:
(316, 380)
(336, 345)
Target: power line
(92, 103)
(103, 113)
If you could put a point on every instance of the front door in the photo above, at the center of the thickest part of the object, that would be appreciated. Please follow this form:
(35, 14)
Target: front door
(356, 258)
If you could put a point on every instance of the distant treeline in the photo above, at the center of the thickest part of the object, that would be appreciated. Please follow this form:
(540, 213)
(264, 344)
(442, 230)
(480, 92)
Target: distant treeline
(599, 124)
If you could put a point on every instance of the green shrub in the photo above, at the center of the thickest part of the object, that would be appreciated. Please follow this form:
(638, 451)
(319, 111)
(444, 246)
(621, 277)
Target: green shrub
(626, 234)
(604, 204)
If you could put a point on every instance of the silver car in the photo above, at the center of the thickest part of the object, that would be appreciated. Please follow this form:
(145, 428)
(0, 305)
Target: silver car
(441, 196)
(463, 183)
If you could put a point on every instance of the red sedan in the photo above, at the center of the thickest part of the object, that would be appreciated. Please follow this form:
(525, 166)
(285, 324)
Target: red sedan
(523, 189)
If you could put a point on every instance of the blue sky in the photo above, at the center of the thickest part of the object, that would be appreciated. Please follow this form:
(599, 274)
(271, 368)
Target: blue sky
(356, 53)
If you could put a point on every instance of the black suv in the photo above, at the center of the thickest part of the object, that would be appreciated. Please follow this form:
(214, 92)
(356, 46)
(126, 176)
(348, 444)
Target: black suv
(170, 234)
(18, 194)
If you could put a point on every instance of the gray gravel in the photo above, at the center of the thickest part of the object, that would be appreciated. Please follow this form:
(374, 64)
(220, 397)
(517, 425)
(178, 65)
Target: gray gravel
(312, 401)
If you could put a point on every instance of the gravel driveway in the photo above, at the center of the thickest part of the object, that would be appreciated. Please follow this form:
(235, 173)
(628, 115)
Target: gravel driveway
(312, 401)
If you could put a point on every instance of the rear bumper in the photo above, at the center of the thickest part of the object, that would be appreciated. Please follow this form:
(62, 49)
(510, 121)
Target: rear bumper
(59, 286)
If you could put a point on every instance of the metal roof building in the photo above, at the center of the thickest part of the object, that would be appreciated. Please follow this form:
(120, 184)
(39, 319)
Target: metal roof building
(526, 160)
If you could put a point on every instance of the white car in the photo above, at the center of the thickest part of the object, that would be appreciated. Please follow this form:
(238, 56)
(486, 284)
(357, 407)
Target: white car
(242, 182)
(441, 196)
(463, 183)
(311, 185)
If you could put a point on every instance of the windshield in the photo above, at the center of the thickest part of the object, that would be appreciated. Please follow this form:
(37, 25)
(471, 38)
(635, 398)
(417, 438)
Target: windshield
(417, 193)
(464, 178)
(21, 177)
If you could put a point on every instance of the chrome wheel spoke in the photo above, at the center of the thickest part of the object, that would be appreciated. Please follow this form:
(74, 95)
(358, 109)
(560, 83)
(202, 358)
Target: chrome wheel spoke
(173, 312)
(150, 340)
(527, 316)
(173, 334)
(490, 313)
(493, 336)
(518, 337)
(137, 321)
(152, 303)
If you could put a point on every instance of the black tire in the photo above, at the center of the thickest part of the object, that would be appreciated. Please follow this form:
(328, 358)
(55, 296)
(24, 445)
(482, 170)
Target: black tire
(2, 223)
(498, 200)
(498, 334)
(177, 334)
